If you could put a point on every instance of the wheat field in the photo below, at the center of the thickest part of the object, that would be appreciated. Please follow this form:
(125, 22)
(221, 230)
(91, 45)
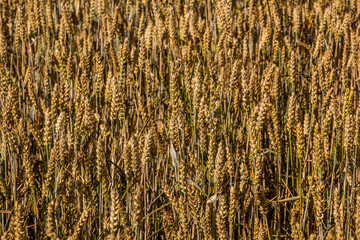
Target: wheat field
(179, 119)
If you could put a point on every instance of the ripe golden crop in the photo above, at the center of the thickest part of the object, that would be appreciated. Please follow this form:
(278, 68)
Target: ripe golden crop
(179, 119)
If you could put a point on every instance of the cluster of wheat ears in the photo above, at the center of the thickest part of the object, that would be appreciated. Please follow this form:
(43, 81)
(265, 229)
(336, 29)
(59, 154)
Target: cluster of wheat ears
(183, 119)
